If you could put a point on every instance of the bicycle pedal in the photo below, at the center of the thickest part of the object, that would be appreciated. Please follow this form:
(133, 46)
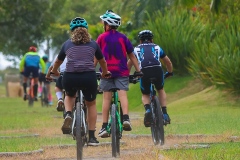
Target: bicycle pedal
(66, 131)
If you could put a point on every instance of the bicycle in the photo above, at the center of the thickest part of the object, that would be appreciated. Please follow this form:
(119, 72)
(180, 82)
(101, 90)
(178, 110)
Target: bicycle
(115, 127)
(44, 96)
(31, 96)
(79, 129)
(157, 124)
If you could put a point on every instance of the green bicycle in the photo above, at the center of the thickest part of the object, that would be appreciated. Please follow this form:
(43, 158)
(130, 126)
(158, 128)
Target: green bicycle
(115, 123)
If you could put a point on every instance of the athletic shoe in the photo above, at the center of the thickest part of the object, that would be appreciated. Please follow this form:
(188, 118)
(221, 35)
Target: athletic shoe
(103, 133)
(93, 142)
(60, 106)
(166, 119)
(67, 124)
(148, 118)
(35, 99)
(127, 125)
(50, 103)
(25, 97)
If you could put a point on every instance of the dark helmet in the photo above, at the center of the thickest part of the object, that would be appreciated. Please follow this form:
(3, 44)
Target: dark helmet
(45, 57)
(145, 35)
(78, 22)
(32, 49)
(111, 18)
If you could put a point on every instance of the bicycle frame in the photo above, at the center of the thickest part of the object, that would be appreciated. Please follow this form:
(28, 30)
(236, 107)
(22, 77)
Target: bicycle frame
(115, 101)
(31, 92)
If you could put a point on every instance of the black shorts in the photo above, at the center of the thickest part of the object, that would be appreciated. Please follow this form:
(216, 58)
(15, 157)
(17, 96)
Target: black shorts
(151, 72)
(42, 78)
(59, 83)
(86, 81)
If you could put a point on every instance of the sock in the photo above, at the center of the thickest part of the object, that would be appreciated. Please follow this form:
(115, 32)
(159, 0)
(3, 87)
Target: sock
(40, 89)
(25, 88)
(35, 89)
(104, 125)
(50, 97)
(147, 106)
(125, 117)
(164, 109)
(91, 133)
(69, 112)
(59, 95)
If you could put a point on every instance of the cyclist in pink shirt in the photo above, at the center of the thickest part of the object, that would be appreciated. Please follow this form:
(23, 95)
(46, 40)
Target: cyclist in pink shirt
(115, 47)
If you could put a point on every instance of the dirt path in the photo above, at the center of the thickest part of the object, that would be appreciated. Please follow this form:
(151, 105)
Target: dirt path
(133, 147)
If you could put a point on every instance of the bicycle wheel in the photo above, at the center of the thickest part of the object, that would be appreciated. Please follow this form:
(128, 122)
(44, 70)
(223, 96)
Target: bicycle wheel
(30, 97)
(159, 120)
(79, 139)
(154, 129)
(45, 96)
(114, 132)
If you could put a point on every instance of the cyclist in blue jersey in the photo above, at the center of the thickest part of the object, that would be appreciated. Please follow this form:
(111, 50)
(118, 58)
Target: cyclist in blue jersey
(149, 55)
(80, 51)
(29, 64)
(42, 79)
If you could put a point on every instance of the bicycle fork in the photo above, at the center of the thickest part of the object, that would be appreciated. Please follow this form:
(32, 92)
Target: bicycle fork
(83, 125)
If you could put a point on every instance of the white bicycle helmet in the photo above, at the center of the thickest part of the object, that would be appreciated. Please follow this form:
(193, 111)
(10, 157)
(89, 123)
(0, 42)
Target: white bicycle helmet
(111, 18)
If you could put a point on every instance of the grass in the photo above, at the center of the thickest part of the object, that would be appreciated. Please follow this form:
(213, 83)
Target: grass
(193, 108)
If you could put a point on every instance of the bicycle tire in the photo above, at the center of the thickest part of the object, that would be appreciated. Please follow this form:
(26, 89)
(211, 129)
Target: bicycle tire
(159, 121)
(79, 139)
(30, 101)
(45, 96)
(115, 138)
(154, 128)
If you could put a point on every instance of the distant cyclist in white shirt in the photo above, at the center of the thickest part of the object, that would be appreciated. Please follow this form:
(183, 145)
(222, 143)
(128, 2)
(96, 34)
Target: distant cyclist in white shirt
(58, 87)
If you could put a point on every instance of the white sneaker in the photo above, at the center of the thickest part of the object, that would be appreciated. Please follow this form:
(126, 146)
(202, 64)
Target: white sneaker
(103, 133)
(60, 105)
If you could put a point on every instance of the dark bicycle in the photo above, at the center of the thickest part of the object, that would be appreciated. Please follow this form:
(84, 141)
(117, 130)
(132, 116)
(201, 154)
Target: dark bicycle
(30, 96)
(157, 125)
(44, 96)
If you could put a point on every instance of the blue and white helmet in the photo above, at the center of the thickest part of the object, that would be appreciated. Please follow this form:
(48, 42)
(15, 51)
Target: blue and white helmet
(78, 22)
(111, 18)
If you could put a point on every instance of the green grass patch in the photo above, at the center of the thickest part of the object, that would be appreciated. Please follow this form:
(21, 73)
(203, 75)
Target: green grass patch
(226, 151)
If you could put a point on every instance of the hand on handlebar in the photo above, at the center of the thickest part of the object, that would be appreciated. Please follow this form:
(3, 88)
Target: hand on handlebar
(138, 74)
(106, 75)
(168, 74)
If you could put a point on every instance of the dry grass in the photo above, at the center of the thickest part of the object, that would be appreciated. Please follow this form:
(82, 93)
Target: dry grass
(132, 148)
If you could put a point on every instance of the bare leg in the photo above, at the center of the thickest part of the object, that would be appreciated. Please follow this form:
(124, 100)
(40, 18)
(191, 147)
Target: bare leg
(107, 96)
(69, 102)
(122, 95)
(92, 114)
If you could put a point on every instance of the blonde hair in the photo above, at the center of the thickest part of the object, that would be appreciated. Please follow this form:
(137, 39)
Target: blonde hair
(80, 35)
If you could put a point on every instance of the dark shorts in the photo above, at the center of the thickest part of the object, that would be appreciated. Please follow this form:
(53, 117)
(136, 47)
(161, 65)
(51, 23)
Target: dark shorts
(59, 83)
(151, 72)
(86, 81)
(42, 78)
(31, 70)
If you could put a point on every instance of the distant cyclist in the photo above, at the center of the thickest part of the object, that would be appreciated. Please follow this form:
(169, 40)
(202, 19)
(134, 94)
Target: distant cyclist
(149, 55)
(42, 79)
(58, 86)
(116, 48)
(29, 64)
(80, 51)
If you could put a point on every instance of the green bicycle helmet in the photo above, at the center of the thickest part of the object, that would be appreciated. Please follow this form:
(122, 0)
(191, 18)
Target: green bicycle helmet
(45, 57)
(78, 22)
(111, 18)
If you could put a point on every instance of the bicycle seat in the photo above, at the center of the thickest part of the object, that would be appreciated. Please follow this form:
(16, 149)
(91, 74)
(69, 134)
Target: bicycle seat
(114, 89)
(152, 79)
